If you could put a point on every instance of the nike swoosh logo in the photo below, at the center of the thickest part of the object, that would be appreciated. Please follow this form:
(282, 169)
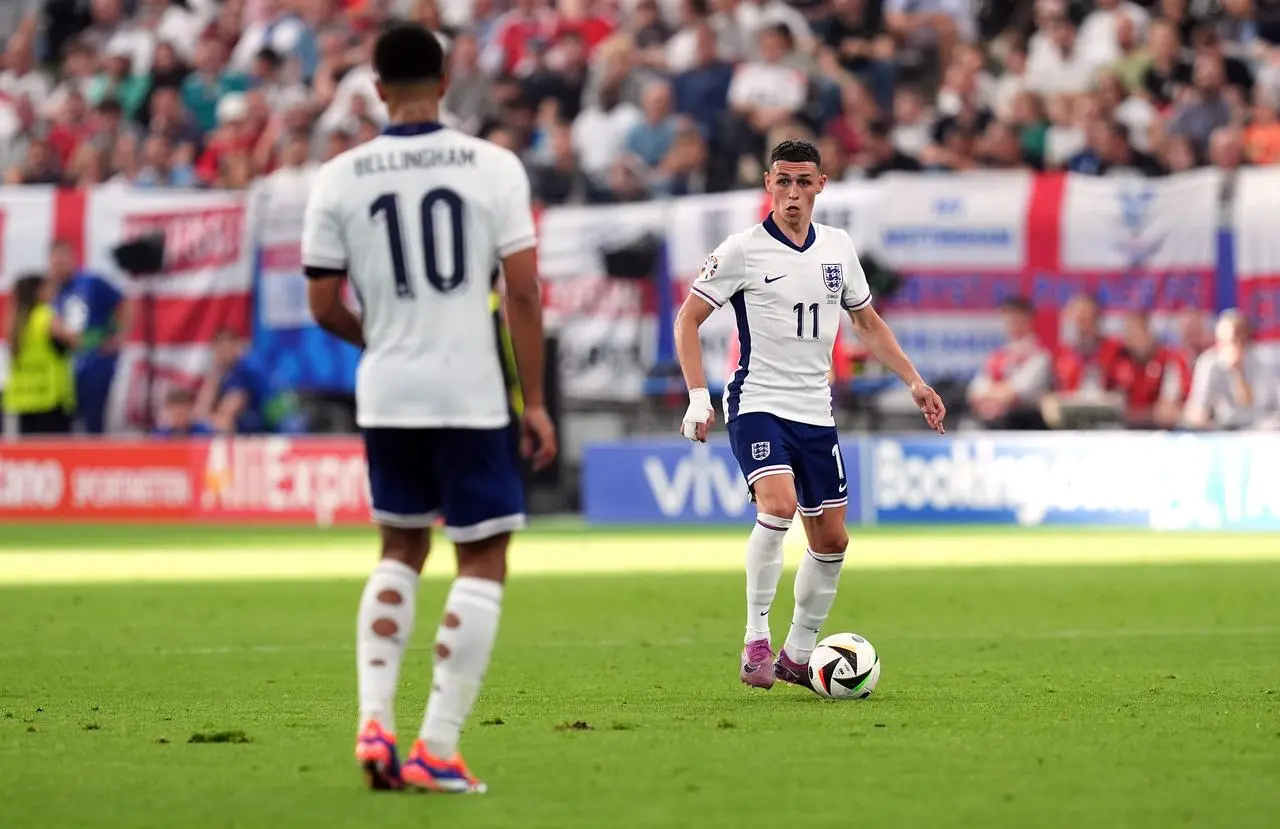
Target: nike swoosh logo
(764, 613)
(769, 279)
(843, 487)
(750, 669)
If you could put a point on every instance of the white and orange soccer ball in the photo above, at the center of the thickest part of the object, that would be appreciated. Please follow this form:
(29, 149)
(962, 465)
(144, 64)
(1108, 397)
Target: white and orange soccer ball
(844, 666)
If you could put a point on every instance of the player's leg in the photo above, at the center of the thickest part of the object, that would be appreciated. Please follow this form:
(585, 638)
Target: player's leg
(483, 503)
(823, 502)
(762, 455)
(404, 505)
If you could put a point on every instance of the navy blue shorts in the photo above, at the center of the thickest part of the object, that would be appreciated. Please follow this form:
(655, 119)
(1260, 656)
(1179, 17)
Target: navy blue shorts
(767, 445)
(470, 477)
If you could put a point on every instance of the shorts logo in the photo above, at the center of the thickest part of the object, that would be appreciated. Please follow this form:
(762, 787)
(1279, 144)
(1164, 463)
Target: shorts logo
(760, 451)
(709, 267)
(833, 277)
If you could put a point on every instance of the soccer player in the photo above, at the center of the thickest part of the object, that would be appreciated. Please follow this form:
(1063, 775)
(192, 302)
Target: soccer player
(419, 219)
(788, 279)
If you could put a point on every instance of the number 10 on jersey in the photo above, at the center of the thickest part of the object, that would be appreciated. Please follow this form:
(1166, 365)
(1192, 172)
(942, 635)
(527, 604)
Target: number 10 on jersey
(388, 204)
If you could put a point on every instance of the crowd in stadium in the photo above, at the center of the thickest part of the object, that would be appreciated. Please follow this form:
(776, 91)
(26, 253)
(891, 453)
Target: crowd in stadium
(616, 100)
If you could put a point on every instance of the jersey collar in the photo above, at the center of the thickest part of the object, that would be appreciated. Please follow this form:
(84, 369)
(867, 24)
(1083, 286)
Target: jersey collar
(776, 232)
(415, 128)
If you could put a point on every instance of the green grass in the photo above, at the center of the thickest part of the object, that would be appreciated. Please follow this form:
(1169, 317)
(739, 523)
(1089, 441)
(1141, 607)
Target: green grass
(1069, 696)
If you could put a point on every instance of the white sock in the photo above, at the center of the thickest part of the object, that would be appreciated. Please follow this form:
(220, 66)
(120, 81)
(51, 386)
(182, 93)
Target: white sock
(383, 626)
(764, 568)
(816, 582)
(464, 642)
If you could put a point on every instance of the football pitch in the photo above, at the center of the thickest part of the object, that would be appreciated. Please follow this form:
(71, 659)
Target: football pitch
(203, 677)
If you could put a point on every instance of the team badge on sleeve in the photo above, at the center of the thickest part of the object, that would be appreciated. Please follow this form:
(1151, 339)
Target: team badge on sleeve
(833, 276)
(709, 267)
(760, 451)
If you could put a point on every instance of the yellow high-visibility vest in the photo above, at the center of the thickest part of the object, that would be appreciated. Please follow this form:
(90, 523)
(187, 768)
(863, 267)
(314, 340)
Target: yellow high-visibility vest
(508, 355)
(40, 376)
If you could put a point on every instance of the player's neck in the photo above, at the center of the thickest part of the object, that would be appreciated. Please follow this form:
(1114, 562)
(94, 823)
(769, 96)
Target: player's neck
(415, 113)
(797, 232)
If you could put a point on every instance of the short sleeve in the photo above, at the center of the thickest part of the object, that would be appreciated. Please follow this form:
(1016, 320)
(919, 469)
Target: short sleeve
(723, 274)
(857, 293)
(323, 243)
(516, 231)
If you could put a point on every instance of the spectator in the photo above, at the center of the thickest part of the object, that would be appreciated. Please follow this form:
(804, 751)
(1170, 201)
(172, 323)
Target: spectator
(1232, 388)
(1056, 64)
(40, 166)
(912, 122)
(77, 73)
(168, 71)
(1168, 73)
(466, 98)
(161, 165)
(169, 118)
(101, 316)
(235, 134)
(684, 50)
(273, 77)
(955, 139)
(21, 78)
(1012, 83)
(650, 33)
(1084, 364)
(1109, 151)
(1154, 377)
(1226, 149)
(178, 417)
(560, 179)
(683, 170)
(766, 93)
(39, 391)
(1205, 107)
(600, 132)
(755, 16)
(1131, 64)
(856, 110)
(881, 155)
(1100, 39)
(652, 138)
(1262, 135)
(1006, 394)
(209, 83)
(566, 82)
(1033, 128)
(235, 394)
(1135, 113)
(529, 22)
(921, 27)
(702, 91)
(118, 82)
(279, 30)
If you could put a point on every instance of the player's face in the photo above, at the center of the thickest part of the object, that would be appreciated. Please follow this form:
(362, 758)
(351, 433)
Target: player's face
(794, 186)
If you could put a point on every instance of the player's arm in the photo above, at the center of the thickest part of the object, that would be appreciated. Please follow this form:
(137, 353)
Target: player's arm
(878, 337)
(324, 261)
(883, 345)
(518, 248)
(324, 297)
(720, 278)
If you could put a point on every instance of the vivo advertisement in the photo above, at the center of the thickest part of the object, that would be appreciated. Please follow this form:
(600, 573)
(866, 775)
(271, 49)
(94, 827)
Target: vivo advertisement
(1159, 481)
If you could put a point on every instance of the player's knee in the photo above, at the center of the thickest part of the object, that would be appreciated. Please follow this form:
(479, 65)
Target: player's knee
(484, 559)
(831, 542)
(407, 546)
(779, 505)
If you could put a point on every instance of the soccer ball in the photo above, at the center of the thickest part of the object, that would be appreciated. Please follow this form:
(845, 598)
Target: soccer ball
(844, 666)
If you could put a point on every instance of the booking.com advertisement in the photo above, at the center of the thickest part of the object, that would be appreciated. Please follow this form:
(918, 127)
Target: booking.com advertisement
(1160, 481)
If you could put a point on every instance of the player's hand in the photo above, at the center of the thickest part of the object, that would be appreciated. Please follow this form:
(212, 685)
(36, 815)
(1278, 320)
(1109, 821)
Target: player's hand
(538, 437)
(699, 416)
(931, 404)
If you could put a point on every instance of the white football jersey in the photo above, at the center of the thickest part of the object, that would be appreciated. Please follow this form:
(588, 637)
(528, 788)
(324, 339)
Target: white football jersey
(788, 301)
(420, 218)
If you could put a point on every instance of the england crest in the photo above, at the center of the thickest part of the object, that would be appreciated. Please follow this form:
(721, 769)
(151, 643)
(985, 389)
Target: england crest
(833, 277)
(760, 451)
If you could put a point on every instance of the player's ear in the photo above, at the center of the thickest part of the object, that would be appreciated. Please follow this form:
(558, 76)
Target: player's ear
(444, 82)
(382, 91)
(822, 182)
(768, 181)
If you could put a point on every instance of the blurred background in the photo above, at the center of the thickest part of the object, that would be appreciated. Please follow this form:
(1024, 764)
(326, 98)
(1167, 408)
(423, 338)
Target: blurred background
(1066, 211)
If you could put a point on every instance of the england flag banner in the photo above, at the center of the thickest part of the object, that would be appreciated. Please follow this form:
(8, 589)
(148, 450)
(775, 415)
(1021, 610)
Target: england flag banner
(1257, 255)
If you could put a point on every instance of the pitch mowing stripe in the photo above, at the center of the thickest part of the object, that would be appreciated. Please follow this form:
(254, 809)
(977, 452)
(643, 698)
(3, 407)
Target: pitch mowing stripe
(165, 651)
(588, 554)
